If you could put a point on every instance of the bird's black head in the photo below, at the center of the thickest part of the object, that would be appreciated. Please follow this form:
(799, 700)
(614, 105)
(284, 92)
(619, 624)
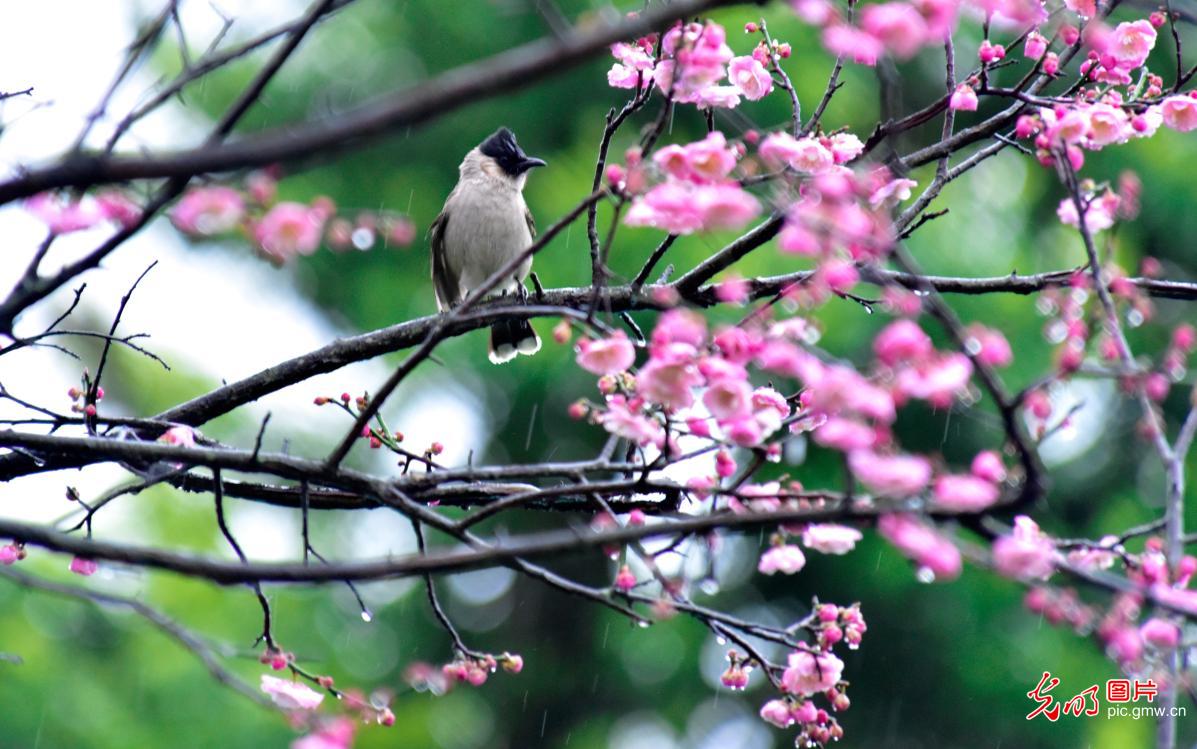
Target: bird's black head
(507, 153)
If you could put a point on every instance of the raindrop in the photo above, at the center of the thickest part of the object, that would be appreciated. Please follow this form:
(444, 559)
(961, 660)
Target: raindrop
(721, 640)
(362, 238)
(1045, 306)
(1134, 318)
(868, 308)
(972, 346)
(922, 292)
(367, 617)
(1055, 331)
(644, 624)
(925, 575)
(709, 586)
(1080, 296)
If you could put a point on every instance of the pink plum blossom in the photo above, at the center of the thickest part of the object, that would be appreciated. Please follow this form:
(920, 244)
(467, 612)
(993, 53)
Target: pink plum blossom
(1026, 553)
(84, 567)
(897, 25)
(1160, 633)
(988, 465)
(811, 673)
(699, 56)
(990, 52)
(669, 377)
(117, 206)
(835, 388)
(335, 734)
(811, 156)
(830, 538)
(1034, 46)
(1100, 557)
(634, 68)
(937, 380)
(672, 160)
(290, 695)
(786, 559)
(749, 76)
(289, 229)
(778, 149)
(679, 326)
(624, 419)
(902, 341)
(778, 713)
(1179, 113)
(684, 208)
(1130, 43)
(1107, 125)
(990, 346)
(963, 99)
(737, 344)
(815, 12)
(207, 211)
(844, 434)
(9, 554)
(63, 215)
(728, 399)
(850, 42)
(892, 192)
(922, 544)
(609, 355)
(964, 493)
(890, 475)
(710, 159)
(180, 436)
(624, 579)
(1086, 8)
(1099, 213)
(845, 147)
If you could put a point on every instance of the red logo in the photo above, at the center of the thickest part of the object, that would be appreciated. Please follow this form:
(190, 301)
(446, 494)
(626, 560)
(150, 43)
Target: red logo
(1086, 702)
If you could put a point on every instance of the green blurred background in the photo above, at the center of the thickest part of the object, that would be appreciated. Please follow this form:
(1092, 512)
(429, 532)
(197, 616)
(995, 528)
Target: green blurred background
(941, 664)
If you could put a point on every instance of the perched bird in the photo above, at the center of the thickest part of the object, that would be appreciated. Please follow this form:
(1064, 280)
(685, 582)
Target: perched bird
(484, 225)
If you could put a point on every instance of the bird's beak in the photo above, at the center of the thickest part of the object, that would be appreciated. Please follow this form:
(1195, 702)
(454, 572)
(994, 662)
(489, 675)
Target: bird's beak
(530, 162)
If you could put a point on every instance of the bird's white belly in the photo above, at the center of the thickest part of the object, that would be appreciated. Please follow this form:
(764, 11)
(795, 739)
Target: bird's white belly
(485, 231)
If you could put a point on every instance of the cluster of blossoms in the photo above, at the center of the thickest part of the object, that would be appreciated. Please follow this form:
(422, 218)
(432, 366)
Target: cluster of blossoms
(300, 702)
(14, 552)
(696, 192)
(1067, 329)
(694, 62)
(78, 398)
(899, 29)
(475, 670)
(63, 213)
(787, 558)
(840, 218)
(282, 230)
(813, 671)
(696, 382)
(1139, 645)
(380, 435)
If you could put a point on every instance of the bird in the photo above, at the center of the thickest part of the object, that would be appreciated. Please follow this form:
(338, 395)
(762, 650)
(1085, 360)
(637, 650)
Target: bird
(484, 225)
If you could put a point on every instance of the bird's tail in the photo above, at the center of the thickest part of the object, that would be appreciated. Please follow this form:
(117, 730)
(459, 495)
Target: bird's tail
(511, 337)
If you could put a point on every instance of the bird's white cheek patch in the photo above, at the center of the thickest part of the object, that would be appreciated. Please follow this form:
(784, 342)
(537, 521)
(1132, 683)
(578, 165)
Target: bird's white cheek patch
(490, 168)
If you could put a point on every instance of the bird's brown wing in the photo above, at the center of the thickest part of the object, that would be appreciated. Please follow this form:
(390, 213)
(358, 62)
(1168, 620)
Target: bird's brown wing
(531, 221)
(444, 283)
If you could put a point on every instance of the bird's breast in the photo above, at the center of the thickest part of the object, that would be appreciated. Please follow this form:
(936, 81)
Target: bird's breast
(486, 229)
